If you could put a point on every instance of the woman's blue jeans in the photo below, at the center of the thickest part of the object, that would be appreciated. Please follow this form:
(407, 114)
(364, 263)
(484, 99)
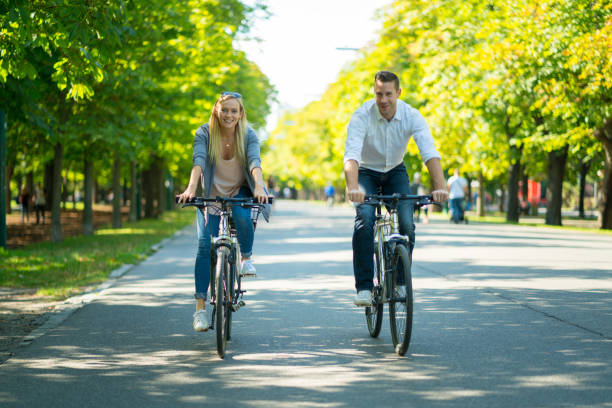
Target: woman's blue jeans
(244, 230)
(394, 181)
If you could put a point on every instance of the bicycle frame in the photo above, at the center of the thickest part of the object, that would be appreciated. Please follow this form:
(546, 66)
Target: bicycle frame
(387, 233)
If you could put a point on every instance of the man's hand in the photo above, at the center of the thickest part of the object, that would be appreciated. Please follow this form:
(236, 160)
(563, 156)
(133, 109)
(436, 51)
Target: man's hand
(440, 196)
(355, 195)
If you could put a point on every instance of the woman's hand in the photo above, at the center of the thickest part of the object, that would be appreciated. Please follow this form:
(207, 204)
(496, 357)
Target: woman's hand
(260, 193)
(186, 195)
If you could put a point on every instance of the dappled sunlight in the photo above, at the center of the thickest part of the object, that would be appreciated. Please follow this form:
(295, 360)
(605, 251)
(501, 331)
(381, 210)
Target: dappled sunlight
(544, 283)
(306, 257)
(545, 381)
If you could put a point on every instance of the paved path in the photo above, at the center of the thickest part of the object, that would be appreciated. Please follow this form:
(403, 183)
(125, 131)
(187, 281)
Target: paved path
(505, 316)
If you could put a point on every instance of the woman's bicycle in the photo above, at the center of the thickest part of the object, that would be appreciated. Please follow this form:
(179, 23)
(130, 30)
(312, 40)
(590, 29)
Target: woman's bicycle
(392, 270)
(225, 291)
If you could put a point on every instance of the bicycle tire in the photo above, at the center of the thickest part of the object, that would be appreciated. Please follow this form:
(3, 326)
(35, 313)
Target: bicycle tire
(400, 311)
(374, 314)
(221, 300)
(232, 293)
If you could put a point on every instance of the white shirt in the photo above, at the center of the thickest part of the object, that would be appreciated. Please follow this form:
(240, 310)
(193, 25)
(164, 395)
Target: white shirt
(457, 186)
(380, 145)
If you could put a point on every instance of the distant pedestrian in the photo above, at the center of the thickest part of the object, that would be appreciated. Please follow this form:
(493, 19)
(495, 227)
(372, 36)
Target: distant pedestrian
(40, 203)
(419, 188)
(329, 195)
(458, 188)
(24, 200)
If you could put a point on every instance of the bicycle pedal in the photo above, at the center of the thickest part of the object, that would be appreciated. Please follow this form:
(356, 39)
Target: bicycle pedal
(238, 306)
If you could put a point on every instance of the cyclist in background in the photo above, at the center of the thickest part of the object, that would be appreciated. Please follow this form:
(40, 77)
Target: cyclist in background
(226, 160)
(377, 137)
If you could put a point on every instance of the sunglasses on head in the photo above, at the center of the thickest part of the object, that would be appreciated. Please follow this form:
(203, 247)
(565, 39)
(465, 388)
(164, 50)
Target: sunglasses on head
(234, 94)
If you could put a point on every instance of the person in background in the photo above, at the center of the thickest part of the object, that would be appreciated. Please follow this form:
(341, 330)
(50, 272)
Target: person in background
(458, 188)
(330, 191)
(24, 200)
(39, 203)
(418, 188)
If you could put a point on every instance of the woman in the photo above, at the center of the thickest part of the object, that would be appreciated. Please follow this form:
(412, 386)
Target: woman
(226, 160)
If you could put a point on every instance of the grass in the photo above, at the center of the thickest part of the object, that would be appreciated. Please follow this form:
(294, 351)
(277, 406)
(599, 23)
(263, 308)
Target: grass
(63, 269)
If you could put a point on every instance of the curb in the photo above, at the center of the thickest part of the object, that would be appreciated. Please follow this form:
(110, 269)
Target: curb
(63, 310)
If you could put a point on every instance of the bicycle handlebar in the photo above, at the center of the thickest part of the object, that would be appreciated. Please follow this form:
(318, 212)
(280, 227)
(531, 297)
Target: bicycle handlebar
(240, 201)
(379, 199)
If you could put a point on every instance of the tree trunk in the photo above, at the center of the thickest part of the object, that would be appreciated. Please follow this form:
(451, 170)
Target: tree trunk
(56, 194)
(65, 189)
(9, 173)
(512, 212)
(133, 191)
(117, 191)
(584, 169)
(147, 192)
(480, 204)
(48, 183)
(502, 199)
(74, 190)
(554, 196)
(605, 206)
(88, 224)
(525, 185)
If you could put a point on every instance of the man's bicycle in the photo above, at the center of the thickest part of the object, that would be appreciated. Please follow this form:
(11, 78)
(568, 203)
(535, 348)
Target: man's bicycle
(225, 291)
(392, 270)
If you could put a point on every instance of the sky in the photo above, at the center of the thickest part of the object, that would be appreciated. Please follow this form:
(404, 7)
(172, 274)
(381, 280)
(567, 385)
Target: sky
(298, 48)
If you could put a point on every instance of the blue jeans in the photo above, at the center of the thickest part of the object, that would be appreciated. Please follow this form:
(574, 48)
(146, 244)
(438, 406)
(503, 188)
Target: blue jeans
(244, 230)
(393, 181)
(456, 208)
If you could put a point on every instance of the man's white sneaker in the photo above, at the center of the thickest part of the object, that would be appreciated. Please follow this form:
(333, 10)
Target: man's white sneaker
(248, 269)
(363, 298)
(200, 321)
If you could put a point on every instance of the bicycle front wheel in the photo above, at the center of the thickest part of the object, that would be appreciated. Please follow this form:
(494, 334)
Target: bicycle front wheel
(222, 299)
(374, 314)
(401, 302)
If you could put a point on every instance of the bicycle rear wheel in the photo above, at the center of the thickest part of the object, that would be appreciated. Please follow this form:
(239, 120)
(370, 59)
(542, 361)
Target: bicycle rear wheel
(222, 300)
(374, 314)
(401, 302)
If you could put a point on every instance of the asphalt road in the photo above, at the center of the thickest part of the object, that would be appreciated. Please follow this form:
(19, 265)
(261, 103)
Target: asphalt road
(505, 316)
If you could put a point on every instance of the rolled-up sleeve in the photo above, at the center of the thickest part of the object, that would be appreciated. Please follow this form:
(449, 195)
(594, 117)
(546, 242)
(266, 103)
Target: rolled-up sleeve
(200, 147)
(253, 150)
(355, 135)
(422, 137)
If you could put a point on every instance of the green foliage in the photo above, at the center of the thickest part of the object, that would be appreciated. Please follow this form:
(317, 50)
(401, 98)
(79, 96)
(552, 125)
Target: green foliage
(497, 82)
(65, 268)
(133, 76)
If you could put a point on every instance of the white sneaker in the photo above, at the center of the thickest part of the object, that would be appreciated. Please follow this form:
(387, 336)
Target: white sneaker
(363, 298)
(200, 321)
(248, 269)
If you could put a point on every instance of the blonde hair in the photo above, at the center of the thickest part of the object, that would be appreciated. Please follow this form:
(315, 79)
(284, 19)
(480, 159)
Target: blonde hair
(214, 143)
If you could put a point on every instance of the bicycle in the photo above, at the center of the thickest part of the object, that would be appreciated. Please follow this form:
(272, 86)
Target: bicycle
(225, 291)
(392, 270)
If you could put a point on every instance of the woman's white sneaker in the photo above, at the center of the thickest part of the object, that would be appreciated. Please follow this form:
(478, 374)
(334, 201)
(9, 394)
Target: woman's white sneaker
(248, 269)
(200, 321)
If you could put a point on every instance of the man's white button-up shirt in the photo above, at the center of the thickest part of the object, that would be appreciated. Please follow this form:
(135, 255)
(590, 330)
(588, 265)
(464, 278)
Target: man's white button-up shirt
(380, 145)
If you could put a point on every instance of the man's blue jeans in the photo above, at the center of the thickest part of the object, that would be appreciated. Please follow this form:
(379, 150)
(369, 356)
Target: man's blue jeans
(244, 230)
(394, 181)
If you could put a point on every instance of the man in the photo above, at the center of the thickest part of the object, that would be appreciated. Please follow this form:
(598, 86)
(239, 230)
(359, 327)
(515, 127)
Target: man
(377, 137)
(458, 188)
